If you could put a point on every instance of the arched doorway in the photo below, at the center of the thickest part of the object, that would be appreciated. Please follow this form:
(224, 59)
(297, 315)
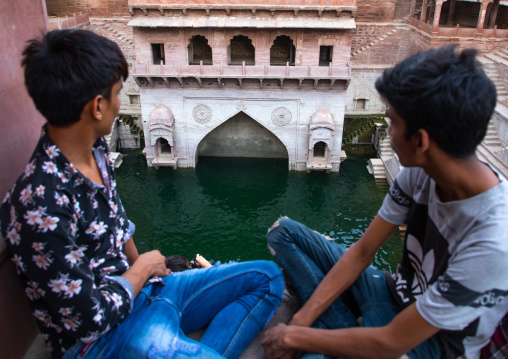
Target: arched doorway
(199, 50)
(241, 136)
(163, 146)
(282, 51)
(241, 49)
(320, 150)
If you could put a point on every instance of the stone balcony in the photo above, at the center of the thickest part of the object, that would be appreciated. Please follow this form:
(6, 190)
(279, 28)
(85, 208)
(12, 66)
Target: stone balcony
(244, 76)
(457, 31)
(340, 8)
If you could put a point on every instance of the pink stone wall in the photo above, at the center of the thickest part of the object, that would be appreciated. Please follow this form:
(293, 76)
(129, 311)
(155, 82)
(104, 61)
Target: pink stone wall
(375, 10)
(20, 20)
(307, 44)
(105, 8)
(401, 9)
(388, 44)
(419, 41)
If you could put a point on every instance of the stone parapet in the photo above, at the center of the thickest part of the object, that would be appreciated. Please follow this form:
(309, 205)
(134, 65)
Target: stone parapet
(217, 73)
(458, 31)
(297, 8)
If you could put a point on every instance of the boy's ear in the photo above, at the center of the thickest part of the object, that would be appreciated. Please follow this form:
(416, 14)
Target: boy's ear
(96, 107)
(422, 139)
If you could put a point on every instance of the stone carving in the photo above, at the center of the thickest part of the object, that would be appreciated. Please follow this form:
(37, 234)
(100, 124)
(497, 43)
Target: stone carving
(281, 116)
(202, 114)
(242, 106)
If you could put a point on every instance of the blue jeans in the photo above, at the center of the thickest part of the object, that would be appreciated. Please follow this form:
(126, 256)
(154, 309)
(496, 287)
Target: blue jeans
(235, 301)
(306, 257)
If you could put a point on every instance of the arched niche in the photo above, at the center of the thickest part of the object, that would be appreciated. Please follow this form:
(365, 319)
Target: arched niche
(199, 50)
(282, 51)
(161, 130)
(321, 132)
(241, 136)
(240, 49)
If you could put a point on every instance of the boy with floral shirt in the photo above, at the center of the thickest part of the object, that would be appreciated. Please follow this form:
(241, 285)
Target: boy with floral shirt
(91, 292)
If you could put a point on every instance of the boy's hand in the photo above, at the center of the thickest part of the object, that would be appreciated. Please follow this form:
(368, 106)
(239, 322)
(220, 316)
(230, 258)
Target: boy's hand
(202, 261)
(155, 263)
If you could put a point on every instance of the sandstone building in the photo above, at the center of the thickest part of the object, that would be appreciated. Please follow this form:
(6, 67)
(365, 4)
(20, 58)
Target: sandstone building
(275, 78)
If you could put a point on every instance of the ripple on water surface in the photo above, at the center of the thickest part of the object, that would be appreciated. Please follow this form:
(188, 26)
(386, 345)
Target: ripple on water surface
(222, 209)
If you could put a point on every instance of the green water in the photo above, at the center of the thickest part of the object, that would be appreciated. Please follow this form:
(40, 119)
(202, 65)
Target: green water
(223, 207)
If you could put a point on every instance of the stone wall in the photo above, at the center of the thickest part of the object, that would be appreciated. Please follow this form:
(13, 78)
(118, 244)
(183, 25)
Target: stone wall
(379, 43)
(401, 10)
(117, 30)
(501, 123)
(420, 41)
(375, 10)
(107, 8)
(362, 88)
(306, 43)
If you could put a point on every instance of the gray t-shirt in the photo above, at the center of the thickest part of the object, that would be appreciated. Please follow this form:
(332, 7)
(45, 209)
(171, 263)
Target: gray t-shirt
(455, 260)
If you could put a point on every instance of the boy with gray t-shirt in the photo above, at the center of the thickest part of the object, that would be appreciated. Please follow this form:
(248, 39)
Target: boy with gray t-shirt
(449, 290)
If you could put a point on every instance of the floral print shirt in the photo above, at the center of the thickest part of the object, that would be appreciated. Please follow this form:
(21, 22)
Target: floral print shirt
(67, 236)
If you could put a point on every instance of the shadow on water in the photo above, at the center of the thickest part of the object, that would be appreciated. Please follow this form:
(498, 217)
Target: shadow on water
(222, 209)
(242, 185)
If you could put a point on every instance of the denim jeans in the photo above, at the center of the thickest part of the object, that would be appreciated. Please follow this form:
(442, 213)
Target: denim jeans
(235, 301)
(306, 257)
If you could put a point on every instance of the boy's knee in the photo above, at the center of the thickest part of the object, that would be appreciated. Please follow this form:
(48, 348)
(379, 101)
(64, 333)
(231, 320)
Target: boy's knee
(279, 232)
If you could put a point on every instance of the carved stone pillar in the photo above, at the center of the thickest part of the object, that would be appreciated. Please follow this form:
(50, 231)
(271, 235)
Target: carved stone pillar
(412, 9)
(481, 17)
(493, 14)
(437, 16)
(451, 12)
(423, 15)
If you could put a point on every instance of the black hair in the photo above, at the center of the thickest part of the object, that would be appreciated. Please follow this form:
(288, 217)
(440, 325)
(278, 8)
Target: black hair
(444, 92)
(177, 263)
(67, 68)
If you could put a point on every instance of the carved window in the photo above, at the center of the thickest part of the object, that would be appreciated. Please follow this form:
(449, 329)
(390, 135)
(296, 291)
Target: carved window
(282, 51)
(134, 100)
(325, 55)
(199, 50)
(158, 54)
(361, 104)
(241, 49)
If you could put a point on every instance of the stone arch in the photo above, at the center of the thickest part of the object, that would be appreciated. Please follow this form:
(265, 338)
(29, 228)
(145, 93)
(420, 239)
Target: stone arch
(241, 49)
(163, 146)
(161, 134)
(241, 136)
(282, 51)
(199, 50)
(320, 149)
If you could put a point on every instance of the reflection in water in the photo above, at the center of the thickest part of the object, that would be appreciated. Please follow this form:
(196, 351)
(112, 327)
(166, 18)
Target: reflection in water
(223, 208)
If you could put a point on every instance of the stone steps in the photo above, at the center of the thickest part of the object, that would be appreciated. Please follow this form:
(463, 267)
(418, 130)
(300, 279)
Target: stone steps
(376, 41)
(376, 167)
(488, 61)
(117, 34)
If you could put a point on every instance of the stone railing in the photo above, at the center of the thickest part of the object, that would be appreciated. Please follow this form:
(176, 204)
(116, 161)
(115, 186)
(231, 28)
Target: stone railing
(256, 71)
(247, 2)
(68, 22)
(460, 32)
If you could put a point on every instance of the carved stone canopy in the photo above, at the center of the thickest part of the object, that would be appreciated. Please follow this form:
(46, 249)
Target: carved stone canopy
(322, 119)
(161, 116)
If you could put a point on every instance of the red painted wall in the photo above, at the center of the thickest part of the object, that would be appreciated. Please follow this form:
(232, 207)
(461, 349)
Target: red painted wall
(20, 123)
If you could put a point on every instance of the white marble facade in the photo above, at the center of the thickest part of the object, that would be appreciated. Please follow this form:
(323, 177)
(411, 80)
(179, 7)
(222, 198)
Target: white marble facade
(286, 114)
